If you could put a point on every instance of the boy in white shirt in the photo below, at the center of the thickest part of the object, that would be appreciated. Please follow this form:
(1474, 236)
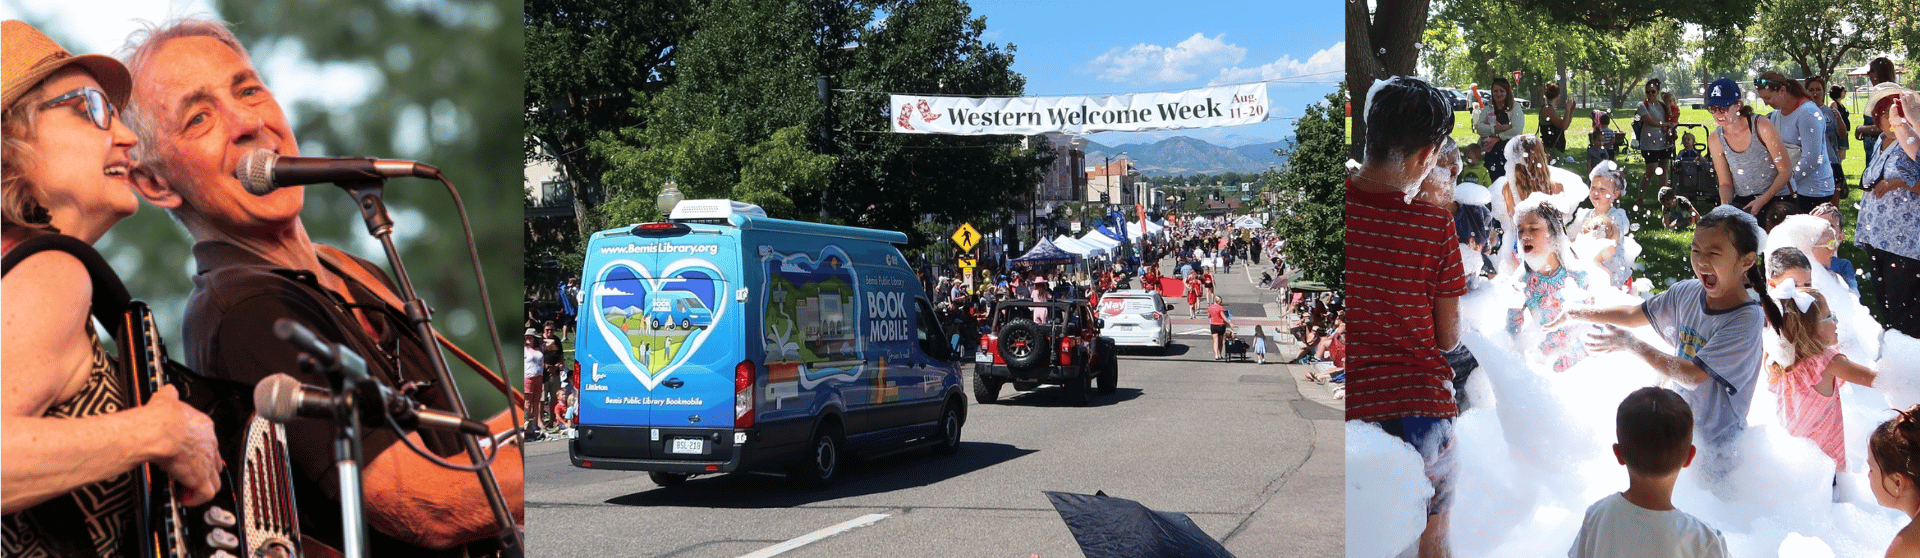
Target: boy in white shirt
(1655, 428)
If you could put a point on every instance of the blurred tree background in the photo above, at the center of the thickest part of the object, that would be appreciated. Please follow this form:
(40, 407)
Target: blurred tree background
(721, 97)
(433, 83)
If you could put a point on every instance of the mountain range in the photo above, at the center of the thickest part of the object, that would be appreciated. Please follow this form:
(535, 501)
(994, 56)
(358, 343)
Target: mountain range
(1186, 155)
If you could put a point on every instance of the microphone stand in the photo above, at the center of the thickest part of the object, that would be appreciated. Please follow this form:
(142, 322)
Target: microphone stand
(370, 195)
(346, 451)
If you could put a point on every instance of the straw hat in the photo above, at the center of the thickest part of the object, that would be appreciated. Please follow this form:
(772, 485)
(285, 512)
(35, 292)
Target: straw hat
(30, 56)
(1881, 93)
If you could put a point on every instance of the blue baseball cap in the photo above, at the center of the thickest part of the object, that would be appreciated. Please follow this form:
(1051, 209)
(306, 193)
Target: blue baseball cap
(1723, 93)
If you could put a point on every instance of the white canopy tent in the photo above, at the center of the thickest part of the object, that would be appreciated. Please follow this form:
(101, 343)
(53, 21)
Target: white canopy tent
(1070, 244)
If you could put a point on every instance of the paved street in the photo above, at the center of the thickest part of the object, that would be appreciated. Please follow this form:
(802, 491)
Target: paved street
(1252, 453)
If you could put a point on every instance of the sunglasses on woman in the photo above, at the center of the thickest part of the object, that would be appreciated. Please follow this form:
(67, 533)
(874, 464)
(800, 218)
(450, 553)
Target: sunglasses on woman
(1765, 83)
(99, 109)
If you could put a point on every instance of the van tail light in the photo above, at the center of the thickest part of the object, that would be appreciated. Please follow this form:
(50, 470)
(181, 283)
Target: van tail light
(743, 395)
(1155, 316)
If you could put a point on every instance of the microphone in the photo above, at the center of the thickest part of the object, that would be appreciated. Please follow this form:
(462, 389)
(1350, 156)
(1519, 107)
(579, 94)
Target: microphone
(280, 398)
(329, 355)
(263, 171)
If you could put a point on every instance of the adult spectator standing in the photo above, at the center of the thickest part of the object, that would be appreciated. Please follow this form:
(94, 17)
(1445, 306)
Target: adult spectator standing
(1217, 324)
(1889, 222)
(567, 308)
(1498, 122)
(535, 381)
(1651, 128)
(1842, 122)
(1803, 129)
(1748, 159)
(1553, 119)
(1879, 71)
(552, 359)
(1835, 138)
(1404, 276)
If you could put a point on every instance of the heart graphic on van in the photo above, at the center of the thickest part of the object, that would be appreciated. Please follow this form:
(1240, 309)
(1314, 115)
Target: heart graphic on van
(652, 322)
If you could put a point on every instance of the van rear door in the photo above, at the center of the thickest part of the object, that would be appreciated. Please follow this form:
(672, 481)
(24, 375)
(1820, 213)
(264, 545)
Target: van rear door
(674, 375)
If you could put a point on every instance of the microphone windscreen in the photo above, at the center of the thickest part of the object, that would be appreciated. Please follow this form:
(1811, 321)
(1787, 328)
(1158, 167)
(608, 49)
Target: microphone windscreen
(277, 398)
(255, 171)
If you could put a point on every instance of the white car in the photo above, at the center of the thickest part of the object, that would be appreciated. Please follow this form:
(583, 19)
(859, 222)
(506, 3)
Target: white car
(1136, 318)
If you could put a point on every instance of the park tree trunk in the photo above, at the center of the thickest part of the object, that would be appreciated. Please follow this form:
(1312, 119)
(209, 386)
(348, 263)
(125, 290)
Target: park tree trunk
(1379, 45)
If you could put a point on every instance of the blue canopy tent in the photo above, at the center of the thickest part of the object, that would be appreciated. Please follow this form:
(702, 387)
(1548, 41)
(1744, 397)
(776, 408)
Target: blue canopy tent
(1045, 253)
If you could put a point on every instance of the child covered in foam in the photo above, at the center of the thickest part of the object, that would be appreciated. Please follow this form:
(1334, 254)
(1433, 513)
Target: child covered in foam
(1528, 173)
(1604, 229)
(1549, 282)
(1714, 325)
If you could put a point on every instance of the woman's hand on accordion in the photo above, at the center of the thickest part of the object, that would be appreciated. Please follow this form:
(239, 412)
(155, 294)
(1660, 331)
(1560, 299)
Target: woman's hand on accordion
(186, 447)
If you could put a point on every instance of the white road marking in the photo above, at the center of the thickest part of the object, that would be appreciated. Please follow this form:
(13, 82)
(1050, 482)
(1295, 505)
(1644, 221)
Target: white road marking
(815, 536)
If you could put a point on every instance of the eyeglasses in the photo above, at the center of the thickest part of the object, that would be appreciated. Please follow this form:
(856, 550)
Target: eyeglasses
(1719, 110)
(1832, 244)
(1765, 83)
(99, 110)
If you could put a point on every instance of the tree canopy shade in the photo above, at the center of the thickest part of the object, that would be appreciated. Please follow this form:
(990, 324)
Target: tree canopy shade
(1822, 35)
(740, 116)
(1624, 15)
(1309, 195)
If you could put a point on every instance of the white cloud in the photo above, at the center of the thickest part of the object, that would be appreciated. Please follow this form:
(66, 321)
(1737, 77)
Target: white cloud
(604, 290)
(1145, 63)
(1328, 65)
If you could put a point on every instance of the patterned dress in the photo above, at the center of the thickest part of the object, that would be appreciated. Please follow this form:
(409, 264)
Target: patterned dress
(1808, 414)
(1545, 297)
(106, 506)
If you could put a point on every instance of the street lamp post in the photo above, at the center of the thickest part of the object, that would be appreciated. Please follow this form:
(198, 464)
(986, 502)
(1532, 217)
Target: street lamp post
(669, 196)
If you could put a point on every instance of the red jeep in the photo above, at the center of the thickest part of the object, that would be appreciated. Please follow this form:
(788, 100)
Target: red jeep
(1034, 343)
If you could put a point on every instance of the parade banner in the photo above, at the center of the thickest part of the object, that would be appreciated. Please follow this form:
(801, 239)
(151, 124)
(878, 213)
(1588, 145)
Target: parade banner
(1228, 105)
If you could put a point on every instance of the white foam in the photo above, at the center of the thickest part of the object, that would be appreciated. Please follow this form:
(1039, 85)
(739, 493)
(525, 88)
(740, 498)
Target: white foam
(1387, 492)
(1535, 451)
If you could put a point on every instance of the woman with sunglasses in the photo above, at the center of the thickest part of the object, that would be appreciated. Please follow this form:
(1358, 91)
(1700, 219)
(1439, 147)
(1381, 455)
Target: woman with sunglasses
(1889, 222)
(70, 430)
(1652, 127)
(1803, 129)
(1748, 159)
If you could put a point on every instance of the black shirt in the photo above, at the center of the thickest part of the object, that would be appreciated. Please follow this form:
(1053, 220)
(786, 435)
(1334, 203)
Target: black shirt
(236, 298)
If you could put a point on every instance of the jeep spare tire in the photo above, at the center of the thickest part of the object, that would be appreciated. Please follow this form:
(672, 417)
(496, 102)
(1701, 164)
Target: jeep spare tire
(1023, 344)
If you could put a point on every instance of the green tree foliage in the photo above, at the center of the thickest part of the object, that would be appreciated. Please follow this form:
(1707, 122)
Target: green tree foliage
(738, 120)
(1309, 202)
(1820, 35)
(1615, 16)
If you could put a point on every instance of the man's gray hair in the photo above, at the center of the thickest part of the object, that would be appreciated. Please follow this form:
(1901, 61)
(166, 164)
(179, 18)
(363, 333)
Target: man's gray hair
(140, 49)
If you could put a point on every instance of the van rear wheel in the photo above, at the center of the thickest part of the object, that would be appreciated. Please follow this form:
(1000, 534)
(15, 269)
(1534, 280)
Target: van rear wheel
(821, 465)
(668, 479)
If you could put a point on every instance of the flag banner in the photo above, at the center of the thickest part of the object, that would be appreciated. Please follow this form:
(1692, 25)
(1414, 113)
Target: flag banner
(1227, 105)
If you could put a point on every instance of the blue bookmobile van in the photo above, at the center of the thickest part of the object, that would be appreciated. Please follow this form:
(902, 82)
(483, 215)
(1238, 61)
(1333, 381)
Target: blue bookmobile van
(722, 340)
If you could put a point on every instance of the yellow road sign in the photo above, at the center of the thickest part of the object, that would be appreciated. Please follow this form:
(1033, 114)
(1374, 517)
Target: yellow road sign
(968, 263)
(966, 237)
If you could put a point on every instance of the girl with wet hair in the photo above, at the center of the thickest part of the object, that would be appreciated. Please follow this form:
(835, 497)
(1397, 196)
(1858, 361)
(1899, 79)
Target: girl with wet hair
(1713, 323)
(1893, 460)
(1549, 283)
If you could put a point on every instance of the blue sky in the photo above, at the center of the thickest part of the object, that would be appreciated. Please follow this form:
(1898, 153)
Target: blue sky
(1073, 47)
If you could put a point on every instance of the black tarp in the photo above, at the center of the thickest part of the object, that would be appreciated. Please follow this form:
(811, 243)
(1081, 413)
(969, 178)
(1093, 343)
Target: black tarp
(1108, 527)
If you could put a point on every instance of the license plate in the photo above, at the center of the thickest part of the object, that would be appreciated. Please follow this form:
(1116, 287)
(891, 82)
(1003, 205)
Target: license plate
(983, 357)
(1122, 327)
(688, 445)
